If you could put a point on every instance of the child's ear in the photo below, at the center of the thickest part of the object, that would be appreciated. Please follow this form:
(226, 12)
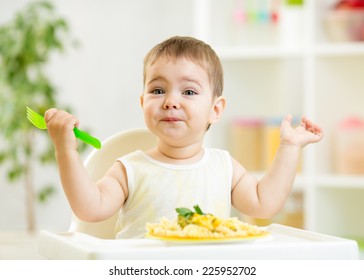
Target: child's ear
(141, 100)
(217, 109)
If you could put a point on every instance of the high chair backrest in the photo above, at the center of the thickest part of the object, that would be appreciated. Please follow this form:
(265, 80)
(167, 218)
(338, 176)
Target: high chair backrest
(99, 161)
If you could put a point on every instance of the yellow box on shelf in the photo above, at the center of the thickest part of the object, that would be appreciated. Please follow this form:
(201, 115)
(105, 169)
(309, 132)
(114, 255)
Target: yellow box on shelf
(271, 140)
(254, 141)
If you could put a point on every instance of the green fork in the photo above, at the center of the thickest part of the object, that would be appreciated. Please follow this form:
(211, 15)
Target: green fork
(38, 121)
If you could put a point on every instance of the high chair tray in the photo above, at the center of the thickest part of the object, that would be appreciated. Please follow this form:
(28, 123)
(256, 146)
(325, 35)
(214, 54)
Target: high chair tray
(285, 243)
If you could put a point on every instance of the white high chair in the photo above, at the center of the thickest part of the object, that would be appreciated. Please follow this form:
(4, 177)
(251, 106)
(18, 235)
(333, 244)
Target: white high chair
(99, 161)
(97, 240)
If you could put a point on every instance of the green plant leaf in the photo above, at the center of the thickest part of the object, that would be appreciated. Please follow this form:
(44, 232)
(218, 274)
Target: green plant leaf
(45, 193)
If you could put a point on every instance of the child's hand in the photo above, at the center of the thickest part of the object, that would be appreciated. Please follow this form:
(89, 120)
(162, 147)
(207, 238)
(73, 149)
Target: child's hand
(60, 125)
(306, 133)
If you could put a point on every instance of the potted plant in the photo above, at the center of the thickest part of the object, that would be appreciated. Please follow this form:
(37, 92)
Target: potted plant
(26, 43)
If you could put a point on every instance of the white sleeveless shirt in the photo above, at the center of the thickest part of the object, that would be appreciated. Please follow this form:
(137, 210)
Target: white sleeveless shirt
(156, 189)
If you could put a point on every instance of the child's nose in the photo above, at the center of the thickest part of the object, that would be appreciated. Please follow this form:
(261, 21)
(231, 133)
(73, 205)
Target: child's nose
(171, 102)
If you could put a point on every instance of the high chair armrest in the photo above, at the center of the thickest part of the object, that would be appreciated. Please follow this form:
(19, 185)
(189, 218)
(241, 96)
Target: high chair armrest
(286, 243)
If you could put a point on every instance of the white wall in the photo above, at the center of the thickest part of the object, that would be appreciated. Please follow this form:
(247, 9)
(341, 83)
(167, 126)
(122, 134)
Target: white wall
(101, 80)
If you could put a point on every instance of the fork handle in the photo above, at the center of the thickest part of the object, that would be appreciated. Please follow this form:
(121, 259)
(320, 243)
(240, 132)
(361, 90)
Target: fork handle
(87, 138)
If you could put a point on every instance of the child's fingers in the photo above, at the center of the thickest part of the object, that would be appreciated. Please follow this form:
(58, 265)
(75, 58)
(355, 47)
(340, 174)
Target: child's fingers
(316, 130)
(313, 128)
(66, 118)
(310, 126)
(61, 119)
(48, 115)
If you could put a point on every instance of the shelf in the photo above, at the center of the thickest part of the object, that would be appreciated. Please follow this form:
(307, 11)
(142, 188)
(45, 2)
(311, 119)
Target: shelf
(261, 52)
(271, 52)
(340, 49)
(326, 181)
(340, 182)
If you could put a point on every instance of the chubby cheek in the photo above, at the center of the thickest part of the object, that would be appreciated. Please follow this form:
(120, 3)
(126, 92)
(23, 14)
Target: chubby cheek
(149, 115)
(145, 106)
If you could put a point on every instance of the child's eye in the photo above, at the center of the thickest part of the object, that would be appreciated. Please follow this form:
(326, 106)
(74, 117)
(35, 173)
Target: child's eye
(158, 91)
(189, 92)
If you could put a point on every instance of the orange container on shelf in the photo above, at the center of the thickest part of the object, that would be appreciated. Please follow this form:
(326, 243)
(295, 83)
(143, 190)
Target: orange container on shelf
(349, 147)
(245, 142)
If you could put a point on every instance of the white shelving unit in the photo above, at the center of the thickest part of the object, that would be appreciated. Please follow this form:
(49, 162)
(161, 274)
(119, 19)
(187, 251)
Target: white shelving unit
(316, 78)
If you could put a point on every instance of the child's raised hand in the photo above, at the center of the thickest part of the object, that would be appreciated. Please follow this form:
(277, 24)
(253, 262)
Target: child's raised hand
(305, 133)
(60, 125)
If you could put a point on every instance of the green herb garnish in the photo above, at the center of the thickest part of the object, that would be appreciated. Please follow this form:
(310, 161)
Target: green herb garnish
(184, 212)
(185, 215)
(198, 210)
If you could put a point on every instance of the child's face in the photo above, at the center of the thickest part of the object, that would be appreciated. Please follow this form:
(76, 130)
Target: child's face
(178, 102)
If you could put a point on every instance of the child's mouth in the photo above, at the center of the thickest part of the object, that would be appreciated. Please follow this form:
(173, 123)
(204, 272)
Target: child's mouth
(171, 120)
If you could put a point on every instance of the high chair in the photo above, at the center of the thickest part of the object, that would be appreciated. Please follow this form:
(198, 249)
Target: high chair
(99, 161)
(97, 240)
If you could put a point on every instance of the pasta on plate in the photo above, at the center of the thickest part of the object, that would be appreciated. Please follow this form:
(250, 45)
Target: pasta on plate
(197, 225)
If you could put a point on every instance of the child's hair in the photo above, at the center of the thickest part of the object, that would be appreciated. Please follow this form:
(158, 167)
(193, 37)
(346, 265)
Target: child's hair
(193, 49)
